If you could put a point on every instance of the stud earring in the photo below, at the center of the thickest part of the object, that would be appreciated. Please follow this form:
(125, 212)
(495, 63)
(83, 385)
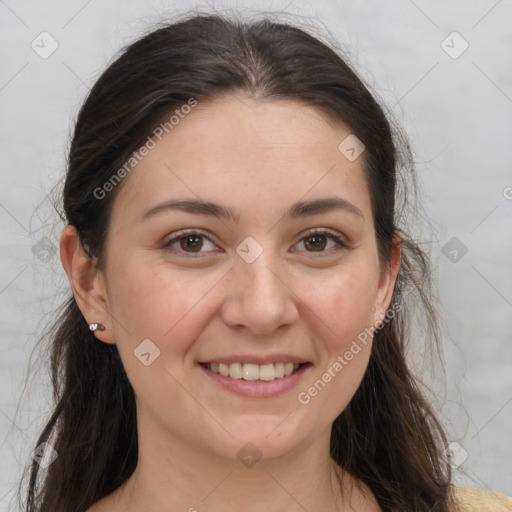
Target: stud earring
(96, 327)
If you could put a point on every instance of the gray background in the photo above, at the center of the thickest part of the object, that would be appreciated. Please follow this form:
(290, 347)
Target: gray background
(457, 112)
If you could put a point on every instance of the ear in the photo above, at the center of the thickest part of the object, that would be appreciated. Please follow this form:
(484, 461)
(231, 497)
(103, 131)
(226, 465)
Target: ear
(87, 283)
(387, 281)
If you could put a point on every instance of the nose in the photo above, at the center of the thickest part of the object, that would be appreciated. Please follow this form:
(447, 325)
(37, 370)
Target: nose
(258, 298)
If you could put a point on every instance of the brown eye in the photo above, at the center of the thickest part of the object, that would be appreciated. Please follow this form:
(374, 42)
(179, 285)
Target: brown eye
(184, 243)
(323, 242)
(194, 243)
(315, 242)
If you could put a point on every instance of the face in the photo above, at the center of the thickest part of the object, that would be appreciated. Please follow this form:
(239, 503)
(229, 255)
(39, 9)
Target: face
(283, 272)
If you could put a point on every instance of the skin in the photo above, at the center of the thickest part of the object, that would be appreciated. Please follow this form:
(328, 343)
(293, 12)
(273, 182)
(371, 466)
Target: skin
(257, 157)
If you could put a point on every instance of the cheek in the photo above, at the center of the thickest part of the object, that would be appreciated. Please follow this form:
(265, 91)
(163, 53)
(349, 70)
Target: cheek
(343, 301)
(165, 307)
(169, 310)
(343, 306)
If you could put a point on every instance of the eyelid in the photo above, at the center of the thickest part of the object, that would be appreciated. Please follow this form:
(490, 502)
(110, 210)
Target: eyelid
(176, 236)
(183, 233)
(321, 231)
(336, 237)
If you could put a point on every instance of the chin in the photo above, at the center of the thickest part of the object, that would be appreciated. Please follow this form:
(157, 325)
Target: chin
(268, 436)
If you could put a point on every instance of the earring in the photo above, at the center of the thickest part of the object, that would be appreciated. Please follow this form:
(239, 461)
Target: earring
(96, 327)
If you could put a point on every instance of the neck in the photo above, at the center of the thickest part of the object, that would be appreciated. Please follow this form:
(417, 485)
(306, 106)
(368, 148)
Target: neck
(176, 476)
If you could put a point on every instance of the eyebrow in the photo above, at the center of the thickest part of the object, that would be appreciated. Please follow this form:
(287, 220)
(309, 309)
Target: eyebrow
(297, 210)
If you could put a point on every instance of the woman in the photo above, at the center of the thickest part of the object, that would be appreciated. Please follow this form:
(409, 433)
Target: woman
(237, 330)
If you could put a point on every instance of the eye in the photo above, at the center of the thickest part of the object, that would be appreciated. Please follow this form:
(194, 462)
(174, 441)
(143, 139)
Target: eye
(317, 241)
(190, 242)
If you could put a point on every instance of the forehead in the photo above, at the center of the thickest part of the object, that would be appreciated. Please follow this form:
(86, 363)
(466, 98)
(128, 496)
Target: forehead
(247, 152)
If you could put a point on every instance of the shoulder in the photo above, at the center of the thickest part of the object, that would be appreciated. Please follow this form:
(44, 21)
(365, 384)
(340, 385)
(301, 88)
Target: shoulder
(476, 500)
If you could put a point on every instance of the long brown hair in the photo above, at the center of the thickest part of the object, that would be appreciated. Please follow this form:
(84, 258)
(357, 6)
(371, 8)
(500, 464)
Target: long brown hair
(388, 436)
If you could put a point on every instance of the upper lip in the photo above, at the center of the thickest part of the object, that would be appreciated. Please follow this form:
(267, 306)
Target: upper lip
(256, 359)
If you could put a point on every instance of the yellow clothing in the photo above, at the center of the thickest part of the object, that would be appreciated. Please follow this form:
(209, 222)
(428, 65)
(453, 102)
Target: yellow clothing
(476, 500)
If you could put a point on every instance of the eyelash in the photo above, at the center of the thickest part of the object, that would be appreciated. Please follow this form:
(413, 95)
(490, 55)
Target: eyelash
(331, 235)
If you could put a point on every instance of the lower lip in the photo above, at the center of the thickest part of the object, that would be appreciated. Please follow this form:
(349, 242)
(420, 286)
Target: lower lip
(257, 388)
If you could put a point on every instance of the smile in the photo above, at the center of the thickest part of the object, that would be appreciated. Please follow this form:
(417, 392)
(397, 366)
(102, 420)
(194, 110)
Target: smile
(250, 371)
(253, 380)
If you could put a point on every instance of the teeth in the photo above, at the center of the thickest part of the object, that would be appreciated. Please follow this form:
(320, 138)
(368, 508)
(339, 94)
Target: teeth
(249, 371)
(279, 370)
(267, 372)
(235, 371)
(288, 368)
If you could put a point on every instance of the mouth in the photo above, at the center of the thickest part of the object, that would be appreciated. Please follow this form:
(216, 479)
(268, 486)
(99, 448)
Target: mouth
(254, 372)
(255, 381)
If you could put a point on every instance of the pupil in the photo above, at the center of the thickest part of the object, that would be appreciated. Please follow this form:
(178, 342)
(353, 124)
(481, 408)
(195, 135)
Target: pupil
(318, 242)
(193, 241)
